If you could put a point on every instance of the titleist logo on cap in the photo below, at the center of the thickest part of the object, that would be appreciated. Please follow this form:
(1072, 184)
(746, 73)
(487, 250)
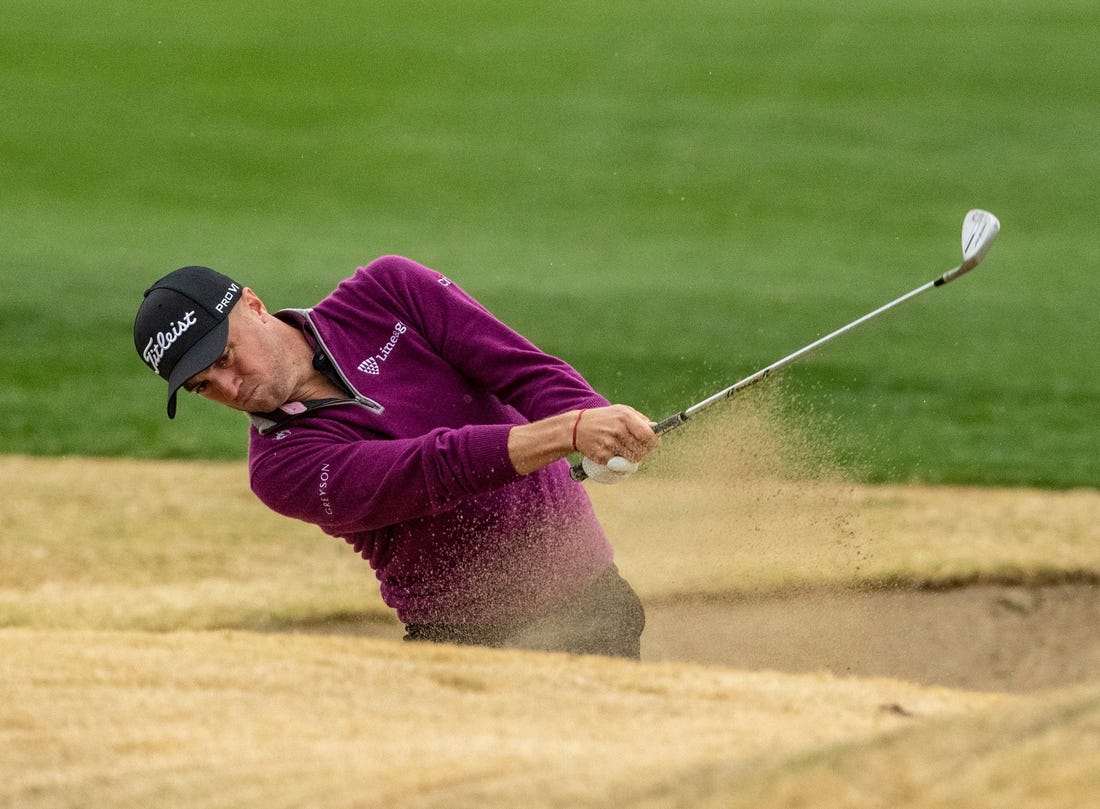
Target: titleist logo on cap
(162, 341)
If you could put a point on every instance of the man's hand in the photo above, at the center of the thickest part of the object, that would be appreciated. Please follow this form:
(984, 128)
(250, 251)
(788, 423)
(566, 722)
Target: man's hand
(619, 431)
(600, 434)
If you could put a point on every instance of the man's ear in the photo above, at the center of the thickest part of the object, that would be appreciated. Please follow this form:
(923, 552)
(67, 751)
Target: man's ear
(253, 302)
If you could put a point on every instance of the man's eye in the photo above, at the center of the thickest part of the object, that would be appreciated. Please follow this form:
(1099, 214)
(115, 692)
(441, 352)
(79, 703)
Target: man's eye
(199, 388)
(223, 360)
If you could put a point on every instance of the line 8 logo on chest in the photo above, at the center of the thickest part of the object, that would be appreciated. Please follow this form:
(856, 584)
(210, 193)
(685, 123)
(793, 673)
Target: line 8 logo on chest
(372, 365)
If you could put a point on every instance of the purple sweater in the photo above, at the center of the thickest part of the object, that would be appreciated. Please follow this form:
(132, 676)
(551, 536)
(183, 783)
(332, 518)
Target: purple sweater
(414, 473)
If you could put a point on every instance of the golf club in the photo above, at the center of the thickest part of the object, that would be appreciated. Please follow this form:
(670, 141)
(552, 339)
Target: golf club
(979, 230)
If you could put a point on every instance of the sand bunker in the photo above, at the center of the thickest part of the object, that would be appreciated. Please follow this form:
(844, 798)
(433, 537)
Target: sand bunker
(985, 638)
(990, 638)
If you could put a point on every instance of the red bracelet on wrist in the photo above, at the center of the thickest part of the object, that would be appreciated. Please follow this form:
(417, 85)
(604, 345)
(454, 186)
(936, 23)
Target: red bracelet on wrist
(576, 424)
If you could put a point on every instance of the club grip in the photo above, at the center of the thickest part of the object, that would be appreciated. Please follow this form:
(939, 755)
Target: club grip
(670, 423)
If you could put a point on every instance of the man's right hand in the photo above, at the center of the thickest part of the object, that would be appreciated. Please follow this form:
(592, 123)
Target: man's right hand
(603, 433)
(599, 434)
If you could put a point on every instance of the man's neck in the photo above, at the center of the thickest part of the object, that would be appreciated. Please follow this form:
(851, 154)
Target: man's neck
(319, 378)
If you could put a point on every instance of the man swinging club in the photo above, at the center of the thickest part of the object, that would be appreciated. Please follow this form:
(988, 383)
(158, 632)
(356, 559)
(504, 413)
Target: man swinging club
(403, 417)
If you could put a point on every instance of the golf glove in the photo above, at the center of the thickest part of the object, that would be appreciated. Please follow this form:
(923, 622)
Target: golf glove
(615, 470)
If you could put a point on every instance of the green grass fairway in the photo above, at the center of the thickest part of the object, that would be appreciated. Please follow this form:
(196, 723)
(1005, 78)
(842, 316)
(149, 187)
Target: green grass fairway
(669, 197)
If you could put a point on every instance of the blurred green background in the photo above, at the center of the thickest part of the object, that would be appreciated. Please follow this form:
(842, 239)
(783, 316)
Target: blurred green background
(668, 196)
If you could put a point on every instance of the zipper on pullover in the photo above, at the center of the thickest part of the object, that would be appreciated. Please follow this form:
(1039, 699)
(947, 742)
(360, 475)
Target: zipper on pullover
(358, 397)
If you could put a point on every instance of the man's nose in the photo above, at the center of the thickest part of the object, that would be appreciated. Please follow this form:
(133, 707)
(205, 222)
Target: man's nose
(225, 382)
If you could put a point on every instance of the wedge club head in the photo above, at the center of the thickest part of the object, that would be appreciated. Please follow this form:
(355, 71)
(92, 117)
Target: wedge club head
(979, 230)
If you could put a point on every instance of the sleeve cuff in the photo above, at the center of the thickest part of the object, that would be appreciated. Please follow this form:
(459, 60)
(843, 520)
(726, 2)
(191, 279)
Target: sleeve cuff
(488, 452)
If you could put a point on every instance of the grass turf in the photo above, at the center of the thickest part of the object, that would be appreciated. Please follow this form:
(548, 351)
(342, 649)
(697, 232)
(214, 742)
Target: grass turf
(669, 200)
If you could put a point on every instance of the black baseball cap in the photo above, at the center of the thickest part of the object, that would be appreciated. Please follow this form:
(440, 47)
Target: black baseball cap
(181, 327)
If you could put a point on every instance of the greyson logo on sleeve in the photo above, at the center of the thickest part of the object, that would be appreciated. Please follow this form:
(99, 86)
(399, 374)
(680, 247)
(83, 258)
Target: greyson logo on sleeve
(373, 365)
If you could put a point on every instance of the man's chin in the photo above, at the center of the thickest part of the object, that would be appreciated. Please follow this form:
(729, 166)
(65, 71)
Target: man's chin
(255, 402)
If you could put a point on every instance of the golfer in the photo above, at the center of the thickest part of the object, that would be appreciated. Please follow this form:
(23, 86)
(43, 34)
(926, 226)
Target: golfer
(400, 415)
